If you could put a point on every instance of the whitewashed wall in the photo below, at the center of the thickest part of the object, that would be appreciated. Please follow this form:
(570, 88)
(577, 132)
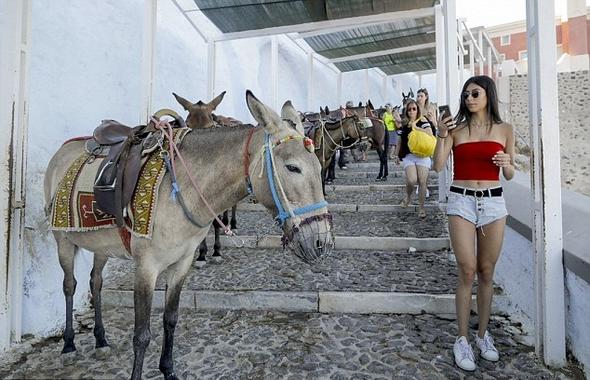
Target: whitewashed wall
(86, 66)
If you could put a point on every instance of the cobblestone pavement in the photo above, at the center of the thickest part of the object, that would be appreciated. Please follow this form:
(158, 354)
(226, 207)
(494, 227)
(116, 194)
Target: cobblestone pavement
(402, 223)
(276, 345)
(273, 269)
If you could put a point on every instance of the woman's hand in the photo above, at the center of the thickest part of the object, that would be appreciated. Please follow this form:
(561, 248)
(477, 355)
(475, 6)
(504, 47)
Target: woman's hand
(502, 159)
(443, 126)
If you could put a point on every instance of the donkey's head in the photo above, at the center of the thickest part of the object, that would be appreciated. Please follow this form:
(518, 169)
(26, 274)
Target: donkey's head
(291, 186)
(200, 114)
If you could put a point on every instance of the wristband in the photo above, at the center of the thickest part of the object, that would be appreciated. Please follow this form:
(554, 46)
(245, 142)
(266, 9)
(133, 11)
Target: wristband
(441, 137)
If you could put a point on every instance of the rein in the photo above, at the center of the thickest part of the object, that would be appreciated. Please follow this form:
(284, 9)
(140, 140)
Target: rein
(166, 128)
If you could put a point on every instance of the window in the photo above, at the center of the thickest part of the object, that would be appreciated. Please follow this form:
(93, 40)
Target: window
(522, 55)
(505, 40)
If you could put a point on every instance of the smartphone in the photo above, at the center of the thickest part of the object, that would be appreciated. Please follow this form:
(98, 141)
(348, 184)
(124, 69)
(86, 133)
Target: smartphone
(444, 111)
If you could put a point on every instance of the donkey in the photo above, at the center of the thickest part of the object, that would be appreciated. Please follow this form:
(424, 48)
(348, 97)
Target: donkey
(200, 116)
(376, 136)
(299, 207)
(331, 129)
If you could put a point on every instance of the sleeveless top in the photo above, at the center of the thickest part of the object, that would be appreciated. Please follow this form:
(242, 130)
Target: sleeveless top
(389, 121)
(473, 161)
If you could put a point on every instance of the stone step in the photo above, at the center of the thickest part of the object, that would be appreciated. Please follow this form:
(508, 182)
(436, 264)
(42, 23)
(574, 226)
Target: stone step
(277, 345)
(399, 180)
(404, 223)
(370, 175)
(379, 186)
(342, 242)
(337, 207)
(271, 279)
(375, 195)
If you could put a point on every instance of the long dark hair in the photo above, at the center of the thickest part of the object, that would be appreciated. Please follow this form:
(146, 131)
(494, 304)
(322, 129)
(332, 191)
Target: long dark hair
(485, 82)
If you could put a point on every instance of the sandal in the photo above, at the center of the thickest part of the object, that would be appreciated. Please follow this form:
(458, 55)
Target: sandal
(405, 203)
(422, 213)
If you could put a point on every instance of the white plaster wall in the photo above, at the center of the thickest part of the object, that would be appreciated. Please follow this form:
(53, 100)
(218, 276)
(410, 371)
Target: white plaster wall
(578, 318)
(84, 67)
(515, 274)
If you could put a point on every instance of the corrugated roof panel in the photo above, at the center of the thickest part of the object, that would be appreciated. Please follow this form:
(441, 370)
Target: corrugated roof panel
(374, 38)
(419, 60)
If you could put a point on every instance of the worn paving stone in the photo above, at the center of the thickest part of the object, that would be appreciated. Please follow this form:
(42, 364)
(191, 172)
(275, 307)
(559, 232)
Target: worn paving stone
(275, 270)
(276, 345)
(401, 223)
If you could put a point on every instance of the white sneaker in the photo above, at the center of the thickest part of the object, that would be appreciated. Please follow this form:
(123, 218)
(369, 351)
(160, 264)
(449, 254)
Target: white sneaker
(427, 192)
(486, 347)
(463, 354)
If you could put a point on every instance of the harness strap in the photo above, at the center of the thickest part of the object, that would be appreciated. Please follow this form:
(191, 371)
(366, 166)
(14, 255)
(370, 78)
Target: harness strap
(247, 162)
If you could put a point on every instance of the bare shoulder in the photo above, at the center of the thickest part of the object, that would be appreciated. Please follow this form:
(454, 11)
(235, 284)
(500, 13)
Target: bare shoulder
(506, 127)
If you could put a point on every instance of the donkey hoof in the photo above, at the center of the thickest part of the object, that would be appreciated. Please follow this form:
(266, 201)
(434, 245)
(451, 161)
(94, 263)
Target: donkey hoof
(102, 352)
(171, 376)
(200, 264)
(217, 259)
(68, 358)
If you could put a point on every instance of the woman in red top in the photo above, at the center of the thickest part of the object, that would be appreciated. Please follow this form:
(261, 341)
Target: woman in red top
(483, 146)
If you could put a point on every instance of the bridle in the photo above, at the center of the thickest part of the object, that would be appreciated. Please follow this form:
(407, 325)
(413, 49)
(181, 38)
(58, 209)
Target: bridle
(284, 207)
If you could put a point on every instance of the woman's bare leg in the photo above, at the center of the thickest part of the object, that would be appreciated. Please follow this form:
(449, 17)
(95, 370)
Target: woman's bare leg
(411, 181)
(462, 233)
(422, 172)
(489, 246)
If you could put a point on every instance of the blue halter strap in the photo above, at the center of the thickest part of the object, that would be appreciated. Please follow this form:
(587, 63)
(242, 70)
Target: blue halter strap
(283, 215)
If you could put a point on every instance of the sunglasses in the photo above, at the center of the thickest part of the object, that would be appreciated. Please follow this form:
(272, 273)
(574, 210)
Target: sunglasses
(474, 94)
(413, 109)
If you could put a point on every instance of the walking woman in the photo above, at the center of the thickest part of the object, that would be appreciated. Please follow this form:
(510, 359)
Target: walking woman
(483, 147)
(415, 167)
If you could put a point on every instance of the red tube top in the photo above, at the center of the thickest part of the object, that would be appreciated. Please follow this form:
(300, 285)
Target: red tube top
(473, 161)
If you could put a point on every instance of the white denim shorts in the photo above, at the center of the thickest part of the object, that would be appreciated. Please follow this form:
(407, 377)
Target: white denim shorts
(411, 159)
(478, 210)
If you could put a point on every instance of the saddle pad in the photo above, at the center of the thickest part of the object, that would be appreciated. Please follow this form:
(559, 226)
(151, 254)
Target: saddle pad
(74, 207)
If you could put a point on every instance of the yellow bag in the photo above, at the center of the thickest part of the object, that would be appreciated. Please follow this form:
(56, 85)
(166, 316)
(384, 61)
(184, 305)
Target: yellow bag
(421, 144)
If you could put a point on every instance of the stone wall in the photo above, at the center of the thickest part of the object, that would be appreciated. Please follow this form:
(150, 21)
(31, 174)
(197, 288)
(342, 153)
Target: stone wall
(574, 118)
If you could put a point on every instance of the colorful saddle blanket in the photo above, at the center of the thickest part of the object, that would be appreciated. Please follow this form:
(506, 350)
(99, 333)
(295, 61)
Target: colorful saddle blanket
(74, 207)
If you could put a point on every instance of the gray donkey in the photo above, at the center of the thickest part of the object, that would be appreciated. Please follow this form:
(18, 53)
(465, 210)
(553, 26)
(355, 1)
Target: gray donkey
(275, 155)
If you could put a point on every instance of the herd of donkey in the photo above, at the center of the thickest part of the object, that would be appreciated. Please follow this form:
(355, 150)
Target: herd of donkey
(278, 162)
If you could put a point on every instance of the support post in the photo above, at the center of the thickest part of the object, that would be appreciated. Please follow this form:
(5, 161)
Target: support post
(274, 69)
(441, 90)
(471, 58)
(147, 58)
(15, 30)
(480, 43)
(339, 89)
(211, 62)
(490, 64)
(546, 183)
(310, 82)
(366, 86)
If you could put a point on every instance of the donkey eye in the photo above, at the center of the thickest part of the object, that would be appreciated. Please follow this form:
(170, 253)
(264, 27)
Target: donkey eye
(293, 169)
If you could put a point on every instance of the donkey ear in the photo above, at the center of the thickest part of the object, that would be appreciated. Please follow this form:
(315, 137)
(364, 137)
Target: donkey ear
(266, 117)
(326, 110)
(215, 102)
(183, 102)
(288, 112)
(370, 104)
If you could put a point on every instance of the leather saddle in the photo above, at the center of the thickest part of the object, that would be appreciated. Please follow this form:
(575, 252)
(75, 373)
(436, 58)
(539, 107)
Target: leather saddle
(118, 173)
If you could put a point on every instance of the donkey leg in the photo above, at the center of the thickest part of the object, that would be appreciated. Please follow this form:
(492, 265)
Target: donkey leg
(202, 259)
(145, 281)
(233, 223)
(102, 346)
(216, 258)
(66, 252)
(176, 278)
